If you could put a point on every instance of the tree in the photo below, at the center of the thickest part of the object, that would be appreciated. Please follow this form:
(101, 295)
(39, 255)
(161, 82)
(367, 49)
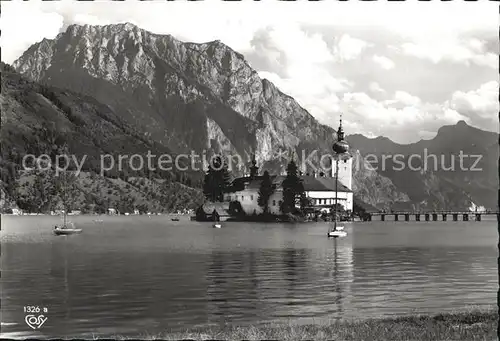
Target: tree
(126, 204)
(217, 180)
(304, 200)
(209, 185)
(143, 208)
(226, 176)
(9, 177)
(293, 189)
(265, 191)
(67, 190)
(100, 207)
(39, 195)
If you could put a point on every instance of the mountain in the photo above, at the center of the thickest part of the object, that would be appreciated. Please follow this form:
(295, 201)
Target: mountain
(442, 181)
(188, 97)
(36, 118)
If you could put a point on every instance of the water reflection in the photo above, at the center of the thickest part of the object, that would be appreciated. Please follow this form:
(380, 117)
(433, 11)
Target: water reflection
(336, 281)
(295, 271)
(232, 286)
(336, 265)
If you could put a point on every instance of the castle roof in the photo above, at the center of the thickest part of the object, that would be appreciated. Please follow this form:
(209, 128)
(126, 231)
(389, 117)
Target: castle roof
(321, 183)
(310, 183)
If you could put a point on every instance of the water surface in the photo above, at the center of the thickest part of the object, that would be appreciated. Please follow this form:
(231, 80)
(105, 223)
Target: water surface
(136, 275)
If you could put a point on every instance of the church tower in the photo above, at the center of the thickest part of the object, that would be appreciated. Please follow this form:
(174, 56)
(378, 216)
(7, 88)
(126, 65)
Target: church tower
(254, 170)
(341, 151)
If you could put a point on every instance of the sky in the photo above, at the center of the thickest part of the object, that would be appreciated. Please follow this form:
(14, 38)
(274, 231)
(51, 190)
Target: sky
(400, 70)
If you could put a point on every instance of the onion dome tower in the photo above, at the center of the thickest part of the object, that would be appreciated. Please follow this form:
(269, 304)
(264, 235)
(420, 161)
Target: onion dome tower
(254, 170)
(340, 146)
(342, 159)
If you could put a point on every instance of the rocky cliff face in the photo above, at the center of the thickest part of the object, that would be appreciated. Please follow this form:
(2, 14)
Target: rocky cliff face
(186, 96)
(367, 182)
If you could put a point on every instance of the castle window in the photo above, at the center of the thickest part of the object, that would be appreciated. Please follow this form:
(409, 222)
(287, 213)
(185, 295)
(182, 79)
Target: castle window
(251, 197)
(274, 202)
(242, 198)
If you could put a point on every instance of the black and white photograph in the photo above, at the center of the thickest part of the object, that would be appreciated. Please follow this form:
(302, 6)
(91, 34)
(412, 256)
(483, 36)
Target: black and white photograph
(249, 170)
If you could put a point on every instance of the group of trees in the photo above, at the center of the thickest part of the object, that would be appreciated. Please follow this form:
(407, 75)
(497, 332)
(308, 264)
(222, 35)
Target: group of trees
(217, 180)
(293, 191)
(265, 191)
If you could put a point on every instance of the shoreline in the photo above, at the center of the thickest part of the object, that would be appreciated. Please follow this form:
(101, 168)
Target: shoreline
(468, 325)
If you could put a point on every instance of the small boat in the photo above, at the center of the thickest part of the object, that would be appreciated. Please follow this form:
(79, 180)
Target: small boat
(66, 229)
(336, 231)
(175, 219)
(217, 226)
(336, 234)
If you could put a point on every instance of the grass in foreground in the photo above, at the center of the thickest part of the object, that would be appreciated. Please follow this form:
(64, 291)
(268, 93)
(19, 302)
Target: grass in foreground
(473, 325)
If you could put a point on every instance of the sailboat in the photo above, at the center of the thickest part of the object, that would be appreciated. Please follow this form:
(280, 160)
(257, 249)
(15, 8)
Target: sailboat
(339, 147)
(336, 233)
(67, 227)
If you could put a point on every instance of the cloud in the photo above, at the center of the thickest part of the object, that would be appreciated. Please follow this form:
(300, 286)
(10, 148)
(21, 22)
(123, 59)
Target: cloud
(454, 50)
(85, 19)
(406, 98)
(383, 62)
(288, 47)
(376, 88)
(482, 103)
(301, 61)
(349, 48)
(409, 121)
(18, 25)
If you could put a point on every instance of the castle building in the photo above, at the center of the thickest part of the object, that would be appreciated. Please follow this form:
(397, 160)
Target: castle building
(320, 189)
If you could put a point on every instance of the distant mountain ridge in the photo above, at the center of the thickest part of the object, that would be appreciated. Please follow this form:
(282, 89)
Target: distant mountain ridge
(186, 96)
(445, 183)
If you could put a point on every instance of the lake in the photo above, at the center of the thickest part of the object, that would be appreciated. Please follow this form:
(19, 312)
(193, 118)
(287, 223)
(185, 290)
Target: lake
(132, 275)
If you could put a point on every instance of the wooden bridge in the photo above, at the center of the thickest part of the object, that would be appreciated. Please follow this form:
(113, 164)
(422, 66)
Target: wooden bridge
(431, 216)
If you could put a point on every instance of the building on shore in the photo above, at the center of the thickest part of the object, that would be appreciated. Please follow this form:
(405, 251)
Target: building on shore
(320, 189)
(476, 208)
(17, 211)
